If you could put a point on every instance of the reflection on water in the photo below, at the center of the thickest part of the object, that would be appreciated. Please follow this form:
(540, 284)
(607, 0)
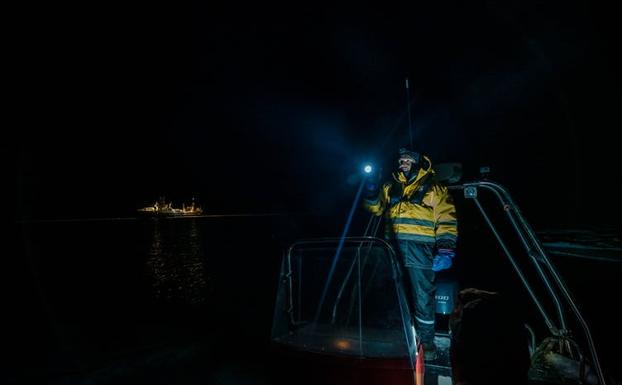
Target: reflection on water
(176, 262)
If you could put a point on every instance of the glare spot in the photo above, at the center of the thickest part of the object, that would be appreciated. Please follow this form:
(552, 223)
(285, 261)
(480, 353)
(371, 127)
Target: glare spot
(342, 344)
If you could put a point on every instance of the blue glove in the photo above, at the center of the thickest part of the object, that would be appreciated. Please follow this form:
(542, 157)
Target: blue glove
(443, 259)
(372, 186)
(371, 189)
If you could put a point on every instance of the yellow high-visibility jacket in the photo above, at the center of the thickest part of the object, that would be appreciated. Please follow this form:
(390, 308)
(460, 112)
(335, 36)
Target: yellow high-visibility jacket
(429, 219)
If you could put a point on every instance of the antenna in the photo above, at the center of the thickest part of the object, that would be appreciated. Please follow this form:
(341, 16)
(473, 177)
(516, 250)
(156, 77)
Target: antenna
(410, 127)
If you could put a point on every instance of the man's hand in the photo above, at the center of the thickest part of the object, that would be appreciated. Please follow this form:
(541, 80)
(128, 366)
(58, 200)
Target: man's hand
(443, 259)
(372, 185)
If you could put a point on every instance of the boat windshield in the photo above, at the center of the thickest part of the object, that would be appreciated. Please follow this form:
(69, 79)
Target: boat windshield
(346, 304)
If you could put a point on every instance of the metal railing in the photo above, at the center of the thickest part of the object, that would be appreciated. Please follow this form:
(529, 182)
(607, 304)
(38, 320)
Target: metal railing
(544, 267)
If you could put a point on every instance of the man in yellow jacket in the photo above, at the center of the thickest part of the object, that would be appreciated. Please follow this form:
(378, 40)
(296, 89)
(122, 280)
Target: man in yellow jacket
(421, 221)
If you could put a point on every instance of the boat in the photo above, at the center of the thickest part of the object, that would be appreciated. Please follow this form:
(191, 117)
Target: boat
(341, 314)
(162, 208)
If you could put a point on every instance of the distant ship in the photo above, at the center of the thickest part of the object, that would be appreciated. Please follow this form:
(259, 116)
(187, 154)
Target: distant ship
(161, 208)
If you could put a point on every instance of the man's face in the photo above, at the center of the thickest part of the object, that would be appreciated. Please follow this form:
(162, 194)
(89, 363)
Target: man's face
(406, 164)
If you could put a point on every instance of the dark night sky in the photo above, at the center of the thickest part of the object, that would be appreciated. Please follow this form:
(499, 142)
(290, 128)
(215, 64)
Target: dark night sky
(268, 108)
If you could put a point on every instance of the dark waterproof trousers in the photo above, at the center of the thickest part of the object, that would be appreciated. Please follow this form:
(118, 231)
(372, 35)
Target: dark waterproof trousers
(417, 260)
